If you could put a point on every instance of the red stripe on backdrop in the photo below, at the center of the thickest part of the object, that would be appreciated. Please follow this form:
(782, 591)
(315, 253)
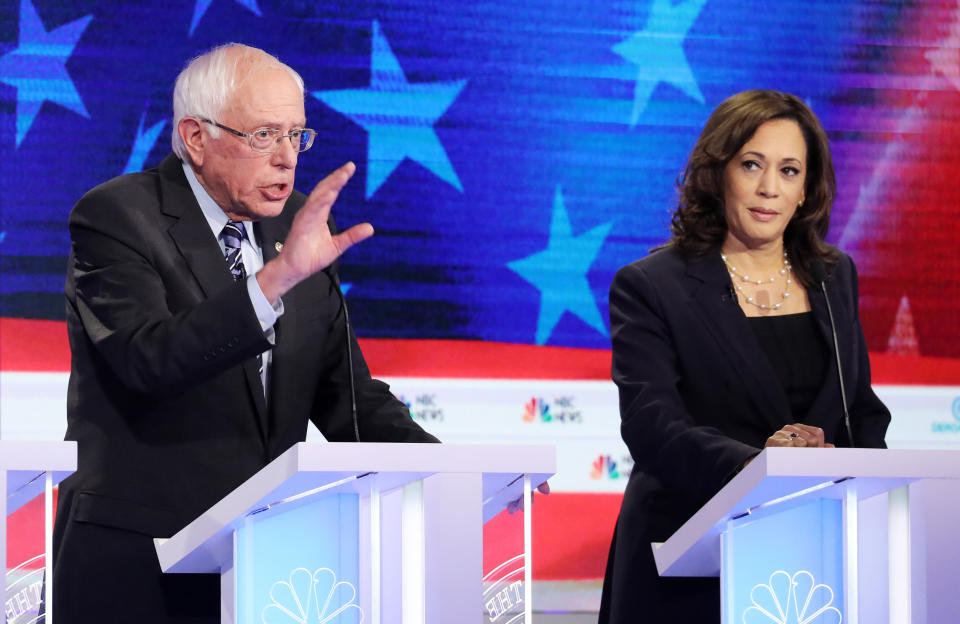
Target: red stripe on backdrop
(571, 536)
(35, 346)
(25, 533)
(41, 346)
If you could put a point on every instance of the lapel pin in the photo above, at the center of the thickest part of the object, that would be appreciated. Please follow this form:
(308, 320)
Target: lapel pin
(278, 246)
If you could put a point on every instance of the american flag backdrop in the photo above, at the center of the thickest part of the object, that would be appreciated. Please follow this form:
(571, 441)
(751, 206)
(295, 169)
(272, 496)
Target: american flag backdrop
(511, 156)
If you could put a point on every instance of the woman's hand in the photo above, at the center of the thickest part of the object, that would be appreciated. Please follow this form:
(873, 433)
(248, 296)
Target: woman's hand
(799, 435)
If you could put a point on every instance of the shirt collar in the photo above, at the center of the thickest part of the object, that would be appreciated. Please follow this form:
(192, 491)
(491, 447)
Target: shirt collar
(215, 216)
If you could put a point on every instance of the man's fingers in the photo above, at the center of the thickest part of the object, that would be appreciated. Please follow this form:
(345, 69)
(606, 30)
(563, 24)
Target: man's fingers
(326, 191)
(351, 236)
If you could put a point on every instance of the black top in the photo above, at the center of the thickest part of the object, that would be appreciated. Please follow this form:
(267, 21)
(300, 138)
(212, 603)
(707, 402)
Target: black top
(798, 355)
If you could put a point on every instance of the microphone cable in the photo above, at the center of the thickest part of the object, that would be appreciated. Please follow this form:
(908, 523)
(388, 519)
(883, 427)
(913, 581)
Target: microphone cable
(819, 273)
(335, 280)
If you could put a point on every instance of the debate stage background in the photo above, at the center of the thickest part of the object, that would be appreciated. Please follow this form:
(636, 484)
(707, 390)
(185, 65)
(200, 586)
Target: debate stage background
(511, 155)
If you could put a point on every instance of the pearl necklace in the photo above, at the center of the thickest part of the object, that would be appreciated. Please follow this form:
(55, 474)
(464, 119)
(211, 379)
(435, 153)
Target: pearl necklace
(759, 282)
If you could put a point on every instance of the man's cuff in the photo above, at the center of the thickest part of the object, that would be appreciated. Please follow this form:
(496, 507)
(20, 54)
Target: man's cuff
(266, 313)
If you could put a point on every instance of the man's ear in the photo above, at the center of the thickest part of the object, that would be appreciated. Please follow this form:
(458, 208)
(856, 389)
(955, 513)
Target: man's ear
(194, 138)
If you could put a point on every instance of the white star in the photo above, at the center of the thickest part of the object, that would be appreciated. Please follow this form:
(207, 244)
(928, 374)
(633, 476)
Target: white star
(903, 334)
(143, 144)
(38, 67)
(560, 272)
(657, 51)
(398, 116)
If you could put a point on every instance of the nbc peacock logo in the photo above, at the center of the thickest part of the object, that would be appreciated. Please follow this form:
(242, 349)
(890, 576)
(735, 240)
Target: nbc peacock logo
(537, 409)
(604, 465)
(796, 599)
(311, 598)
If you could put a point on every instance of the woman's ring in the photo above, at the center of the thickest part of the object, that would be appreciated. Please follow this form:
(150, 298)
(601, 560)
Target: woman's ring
(794, 435)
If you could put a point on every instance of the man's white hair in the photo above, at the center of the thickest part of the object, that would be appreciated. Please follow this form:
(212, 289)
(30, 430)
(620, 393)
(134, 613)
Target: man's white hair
(208, 82)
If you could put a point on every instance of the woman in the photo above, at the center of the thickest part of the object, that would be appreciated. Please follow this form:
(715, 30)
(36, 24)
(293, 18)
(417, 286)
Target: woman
(722, 342)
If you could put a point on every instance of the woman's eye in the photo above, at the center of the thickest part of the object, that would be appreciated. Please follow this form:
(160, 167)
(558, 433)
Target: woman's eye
(751, 165)
(790, 171)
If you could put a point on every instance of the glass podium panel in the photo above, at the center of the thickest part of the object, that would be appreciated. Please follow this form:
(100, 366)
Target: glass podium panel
(298, 562)
(506, 594)
(25, 562)
(785, 566)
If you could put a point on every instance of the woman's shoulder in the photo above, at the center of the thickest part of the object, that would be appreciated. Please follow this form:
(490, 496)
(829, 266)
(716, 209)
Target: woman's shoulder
(661, 261)
(845, 269)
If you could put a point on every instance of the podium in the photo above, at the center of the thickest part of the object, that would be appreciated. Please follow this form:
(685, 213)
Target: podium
(786, 536)
(28, 469)
(367, 532)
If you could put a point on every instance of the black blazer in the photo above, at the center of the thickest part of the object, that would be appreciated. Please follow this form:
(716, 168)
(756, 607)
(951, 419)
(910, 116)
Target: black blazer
(164, 398)
(698, 397)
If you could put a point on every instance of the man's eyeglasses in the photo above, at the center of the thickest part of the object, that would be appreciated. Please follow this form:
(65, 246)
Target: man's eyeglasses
(268, 140)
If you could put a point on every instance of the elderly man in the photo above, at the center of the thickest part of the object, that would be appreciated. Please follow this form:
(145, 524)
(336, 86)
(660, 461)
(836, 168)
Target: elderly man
(206, 329)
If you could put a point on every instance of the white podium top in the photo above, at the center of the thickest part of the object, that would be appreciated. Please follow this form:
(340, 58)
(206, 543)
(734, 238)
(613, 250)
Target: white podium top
(781, 475)
(27, 462)
(311, 468)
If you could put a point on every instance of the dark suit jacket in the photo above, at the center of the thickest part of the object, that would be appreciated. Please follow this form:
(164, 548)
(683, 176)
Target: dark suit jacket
(165, 400)
(697, 399)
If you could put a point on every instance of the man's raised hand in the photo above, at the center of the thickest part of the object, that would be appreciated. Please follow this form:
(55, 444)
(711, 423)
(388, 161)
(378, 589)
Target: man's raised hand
(310, 247)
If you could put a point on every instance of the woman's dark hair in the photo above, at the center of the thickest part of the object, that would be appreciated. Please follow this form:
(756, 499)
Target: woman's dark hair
(699, 224)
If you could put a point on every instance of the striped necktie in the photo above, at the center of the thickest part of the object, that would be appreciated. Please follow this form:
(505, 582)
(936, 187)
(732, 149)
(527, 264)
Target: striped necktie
(232, 236)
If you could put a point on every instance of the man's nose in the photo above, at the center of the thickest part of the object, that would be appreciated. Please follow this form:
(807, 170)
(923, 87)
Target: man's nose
(286, 155)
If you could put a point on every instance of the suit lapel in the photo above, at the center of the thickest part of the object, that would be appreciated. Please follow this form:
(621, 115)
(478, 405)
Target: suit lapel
(192, 236)
(711, 297)
(190, 231)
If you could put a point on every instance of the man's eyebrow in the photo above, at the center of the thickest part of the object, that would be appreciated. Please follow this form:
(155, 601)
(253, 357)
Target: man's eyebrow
(268, 123)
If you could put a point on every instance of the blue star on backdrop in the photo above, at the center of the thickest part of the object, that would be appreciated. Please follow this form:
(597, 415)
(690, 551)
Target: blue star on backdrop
(37, 67)
(202, 5)
(657, 51)
(560, 272)
(464, 117)
(143, 144)
(398, 116)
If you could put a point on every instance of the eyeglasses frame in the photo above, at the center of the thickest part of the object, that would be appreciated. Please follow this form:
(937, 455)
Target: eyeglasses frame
(249, 137)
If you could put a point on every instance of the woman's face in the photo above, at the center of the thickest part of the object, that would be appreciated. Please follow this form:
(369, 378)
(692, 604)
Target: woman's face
(763, 185)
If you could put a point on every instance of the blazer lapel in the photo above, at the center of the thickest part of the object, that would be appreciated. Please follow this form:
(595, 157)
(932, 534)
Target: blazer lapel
(192, 236)
(190, 231)
(712, 298)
